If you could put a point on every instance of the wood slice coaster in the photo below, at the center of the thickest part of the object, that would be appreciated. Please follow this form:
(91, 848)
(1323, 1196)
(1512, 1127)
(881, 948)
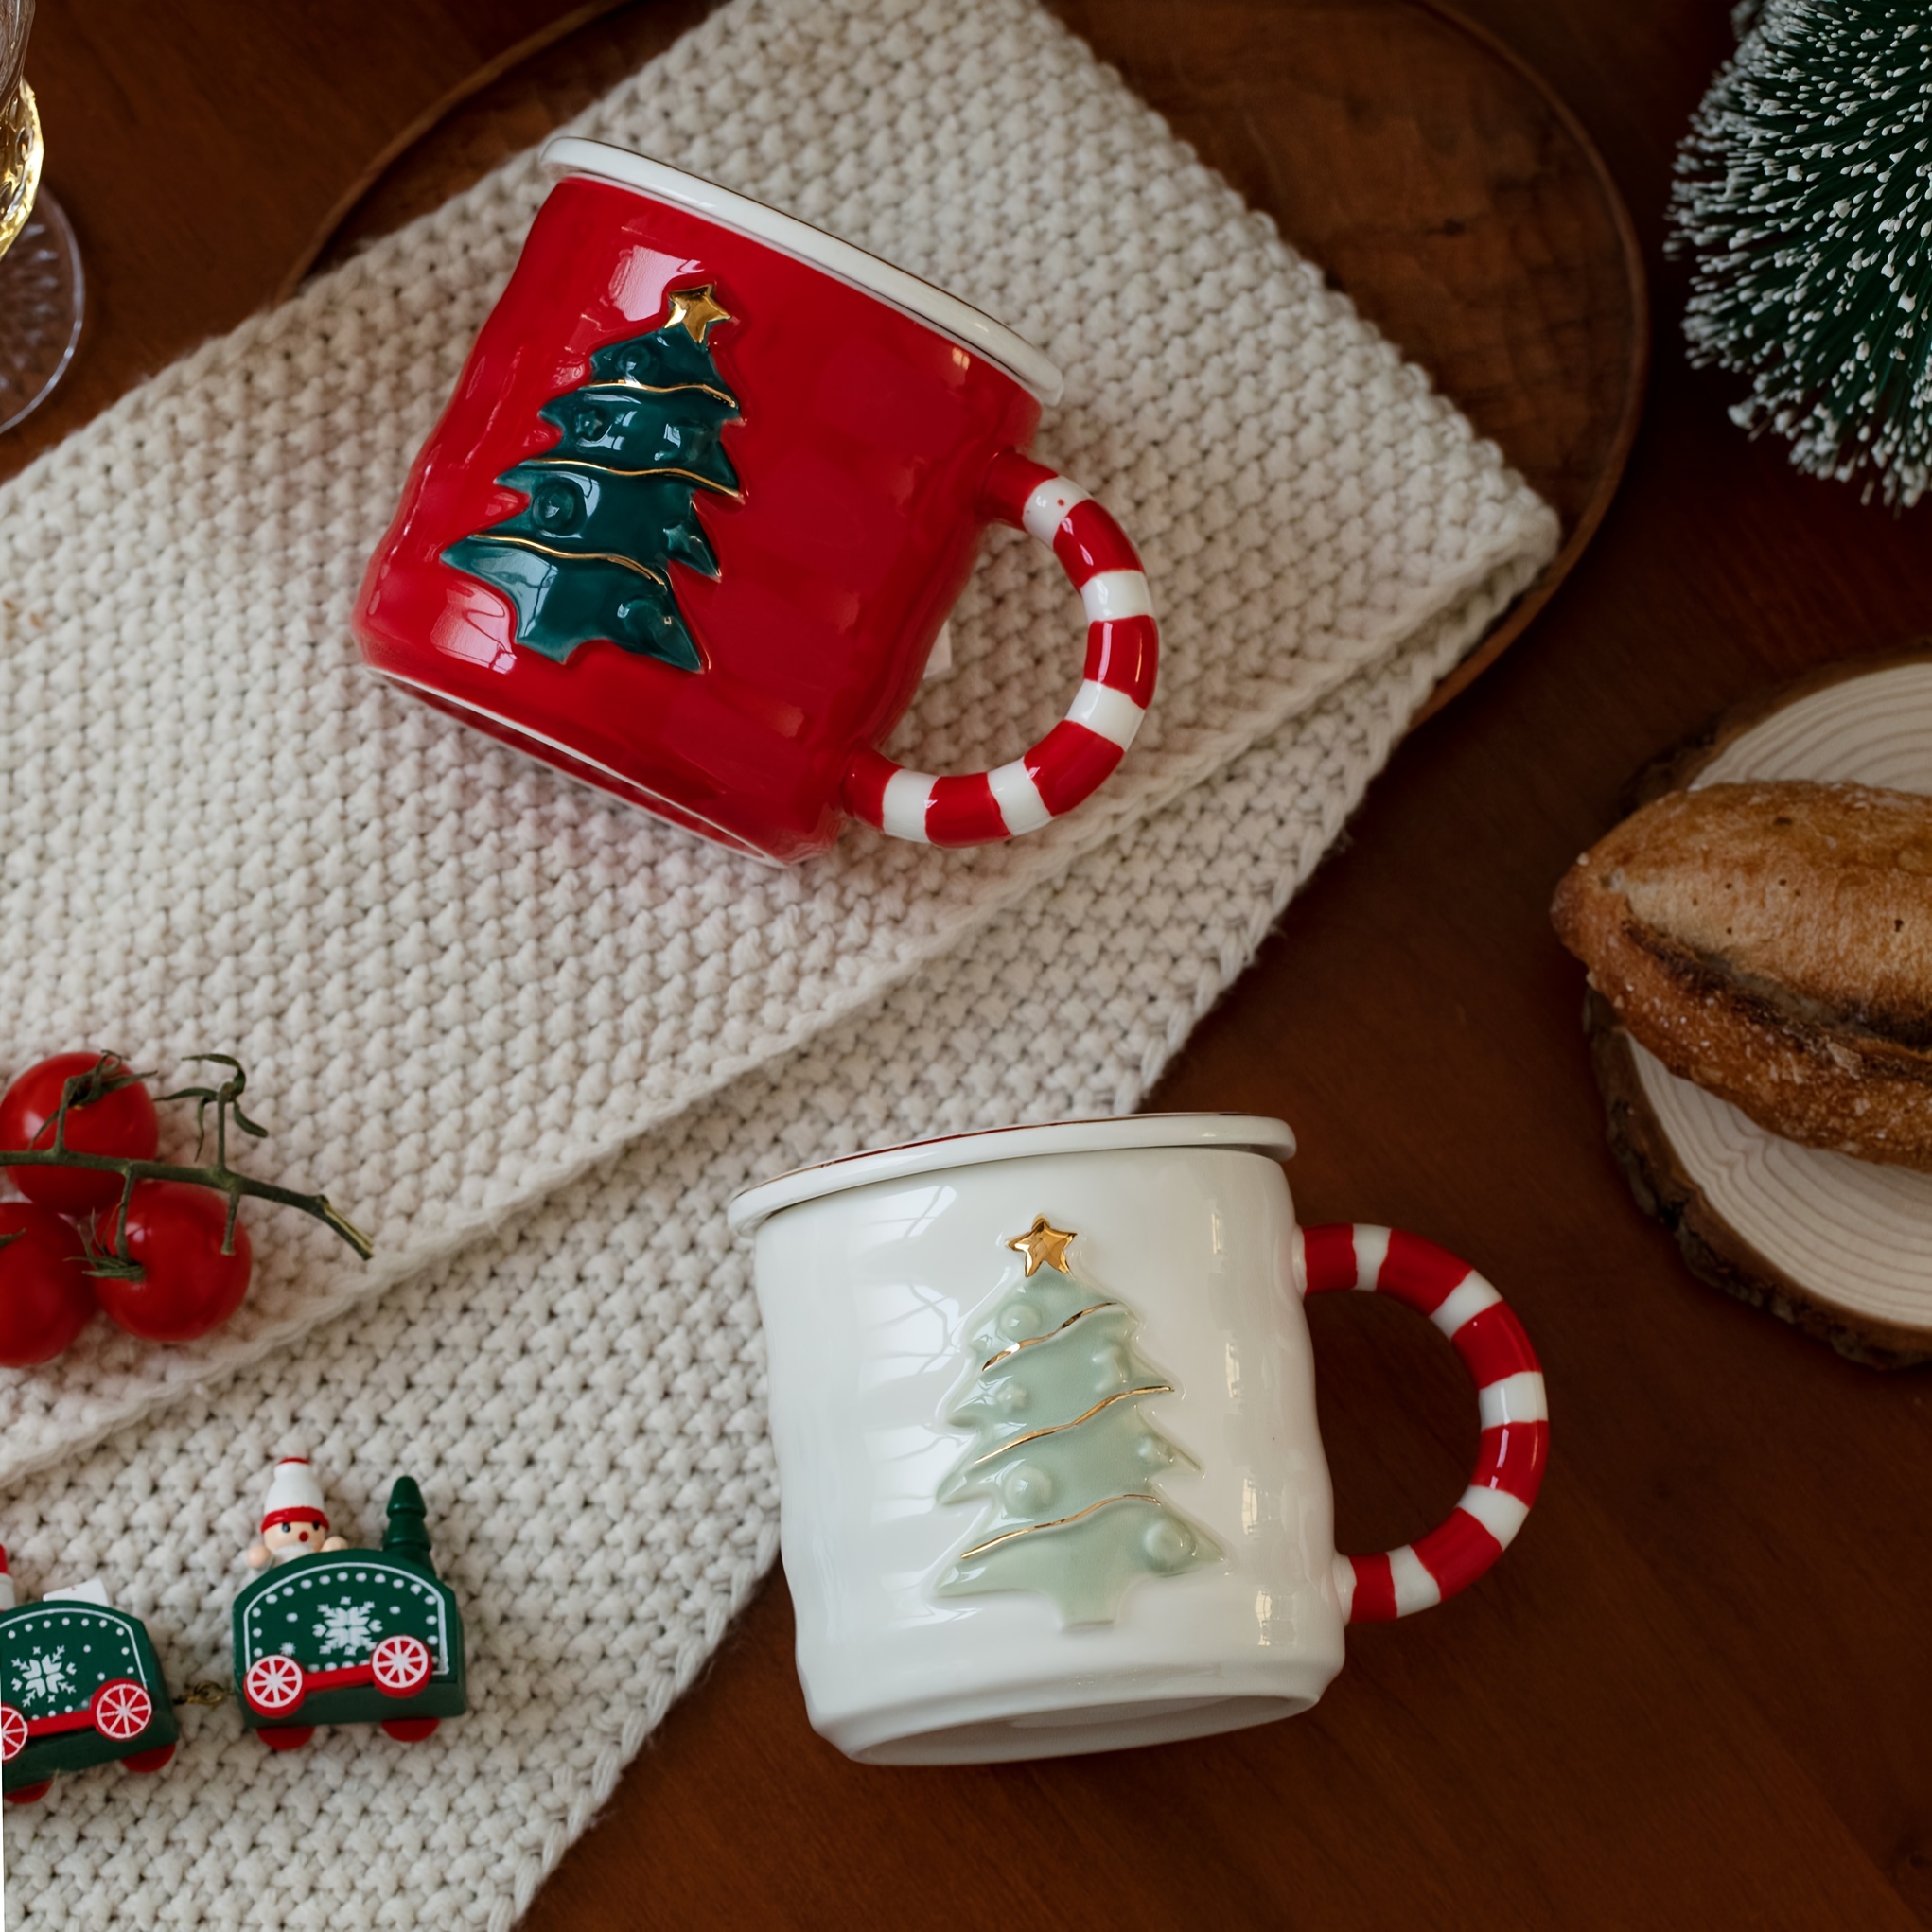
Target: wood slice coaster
(1431, 175)
(1842, 1248)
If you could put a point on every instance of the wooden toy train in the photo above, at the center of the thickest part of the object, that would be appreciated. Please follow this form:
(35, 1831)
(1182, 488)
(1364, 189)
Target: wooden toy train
(79, 1685)
(351, 1637)
(326, 1635)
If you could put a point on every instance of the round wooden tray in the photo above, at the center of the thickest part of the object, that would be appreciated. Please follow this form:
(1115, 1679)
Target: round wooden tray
(1431, 175)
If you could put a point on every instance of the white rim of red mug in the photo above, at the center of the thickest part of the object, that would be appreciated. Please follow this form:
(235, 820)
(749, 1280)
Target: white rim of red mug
(972, 329)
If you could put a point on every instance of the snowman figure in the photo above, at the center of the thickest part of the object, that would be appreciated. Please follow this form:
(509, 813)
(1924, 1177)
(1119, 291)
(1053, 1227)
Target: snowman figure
(293, 1521)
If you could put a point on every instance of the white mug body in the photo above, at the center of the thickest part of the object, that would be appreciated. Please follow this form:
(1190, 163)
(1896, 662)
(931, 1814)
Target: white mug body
(880, 1279)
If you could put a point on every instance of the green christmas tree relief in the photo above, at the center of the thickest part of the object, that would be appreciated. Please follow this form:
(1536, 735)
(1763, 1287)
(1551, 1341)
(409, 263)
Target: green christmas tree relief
(612, 503)
(1062, 1447)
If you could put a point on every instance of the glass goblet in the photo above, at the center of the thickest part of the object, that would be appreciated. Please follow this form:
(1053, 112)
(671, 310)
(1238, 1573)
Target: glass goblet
(41, 292)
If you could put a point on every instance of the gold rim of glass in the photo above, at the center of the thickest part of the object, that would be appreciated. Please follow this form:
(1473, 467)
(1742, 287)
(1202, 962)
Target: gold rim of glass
(20, 162)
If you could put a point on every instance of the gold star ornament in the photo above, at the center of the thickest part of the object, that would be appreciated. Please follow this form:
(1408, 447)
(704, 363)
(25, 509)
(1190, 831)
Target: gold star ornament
(696, 311)
(1043, 1242)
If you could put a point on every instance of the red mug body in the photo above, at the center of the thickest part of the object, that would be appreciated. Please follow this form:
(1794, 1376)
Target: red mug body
(808, 462)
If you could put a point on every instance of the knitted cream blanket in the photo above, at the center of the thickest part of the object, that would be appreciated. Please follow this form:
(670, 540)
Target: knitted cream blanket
(531, 1039)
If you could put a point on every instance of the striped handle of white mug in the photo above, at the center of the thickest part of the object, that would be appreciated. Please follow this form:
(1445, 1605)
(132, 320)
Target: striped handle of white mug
(1515, 1443)
(1077, 756)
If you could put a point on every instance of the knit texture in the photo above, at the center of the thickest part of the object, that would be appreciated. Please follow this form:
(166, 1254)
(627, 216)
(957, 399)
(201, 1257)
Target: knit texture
(458, 977)
(534, 1041)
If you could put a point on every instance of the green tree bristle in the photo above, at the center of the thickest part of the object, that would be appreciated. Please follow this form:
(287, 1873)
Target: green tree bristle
(1804, 194)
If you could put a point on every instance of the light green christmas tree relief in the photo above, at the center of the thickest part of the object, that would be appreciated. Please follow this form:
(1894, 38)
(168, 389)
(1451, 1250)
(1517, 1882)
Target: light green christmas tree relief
(1062, 1447)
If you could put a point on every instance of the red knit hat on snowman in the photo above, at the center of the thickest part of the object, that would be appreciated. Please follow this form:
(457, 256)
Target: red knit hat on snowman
(294, 1495)
(293, 1521)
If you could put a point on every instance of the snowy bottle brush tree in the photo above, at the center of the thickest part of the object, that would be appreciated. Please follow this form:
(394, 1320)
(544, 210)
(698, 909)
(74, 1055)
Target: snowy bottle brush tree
(1804, 194)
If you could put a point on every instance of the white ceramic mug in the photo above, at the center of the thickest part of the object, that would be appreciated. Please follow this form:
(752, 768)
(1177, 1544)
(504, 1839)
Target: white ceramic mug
(1043, 1406)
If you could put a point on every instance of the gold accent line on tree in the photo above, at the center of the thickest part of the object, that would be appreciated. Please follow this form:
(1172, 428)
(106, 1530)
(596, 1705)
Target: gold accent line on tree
(611, 469)
(631, 382)
(1034, 1529)
(1034, 1340)
(1061, 1427)
(1043, 1242)
(570, 556)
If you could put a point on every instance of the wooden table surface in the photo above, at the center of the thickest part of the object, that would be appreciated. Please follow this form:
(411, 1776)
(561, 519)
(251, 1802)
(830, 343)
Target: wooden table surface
(1698, 1693)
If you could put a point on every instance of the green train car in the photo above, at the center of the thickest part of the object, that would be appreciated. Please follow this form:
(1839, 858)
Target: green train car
(352, 1637)
(80, 1686)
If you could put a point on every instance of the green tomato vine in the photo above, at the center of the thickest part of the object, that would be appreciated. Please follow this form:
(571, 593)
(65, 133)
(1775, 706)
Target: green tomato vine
(109, 1072)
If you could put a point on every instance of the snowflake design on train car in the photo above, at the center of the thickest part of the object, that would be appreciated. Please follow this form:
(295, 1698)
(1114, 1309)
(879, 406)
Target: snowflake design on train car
(352, 1628)
(46, 1677)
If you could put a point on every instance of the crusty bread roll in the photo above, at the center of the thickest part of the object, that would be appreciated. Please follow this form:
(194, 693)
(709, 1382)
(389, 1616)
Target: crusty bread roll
(1773, 942)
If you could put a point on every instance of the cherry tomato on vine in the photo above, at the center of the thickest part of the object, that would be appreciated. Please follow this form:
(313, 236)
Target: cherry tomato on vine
(46, 1297)
(120, 1122)
(187, 1285)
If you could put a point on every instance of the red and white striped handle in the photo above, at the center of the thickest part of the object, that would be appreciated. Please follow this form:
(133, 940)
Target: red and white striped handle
(1075, 757)
(1515, 1443)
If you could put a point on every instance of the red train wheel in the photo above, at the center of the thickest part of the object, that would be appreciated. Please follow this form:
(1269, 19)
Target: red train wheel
(409, 1729)
(274, 1686)
(31, 1794)
(287, 1737)
(12, 1732)
(401, 1666)
(120, 1710)
(148, 1761)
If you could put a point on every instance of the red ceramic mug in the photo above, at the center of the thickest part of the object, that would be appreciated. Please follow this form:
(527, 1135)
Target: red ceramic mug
(708, 488)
